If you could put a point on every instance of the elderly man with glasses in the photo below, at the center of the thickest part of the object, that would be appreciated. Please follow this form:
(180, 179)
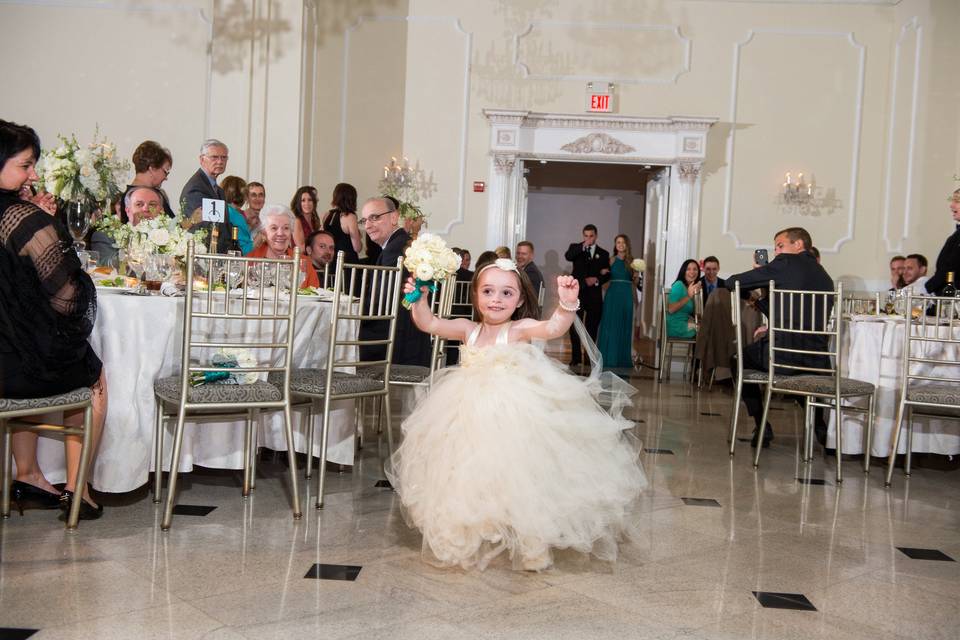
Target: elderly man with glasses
(203, 184)
(381, 221)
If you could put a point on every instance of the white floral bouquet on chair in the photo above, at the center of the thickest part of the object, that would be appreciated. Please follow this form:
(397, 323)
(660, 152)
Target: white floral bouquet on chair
(429, 259)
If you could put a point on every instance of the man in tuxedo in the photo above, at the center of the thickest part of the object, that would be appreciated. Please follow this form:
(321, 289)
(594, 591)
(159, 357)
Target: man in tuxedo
(711, 277)
(591, 268)
(525, 261)
(381, 221)
(203, 184)
(949, 257)
(793, 267)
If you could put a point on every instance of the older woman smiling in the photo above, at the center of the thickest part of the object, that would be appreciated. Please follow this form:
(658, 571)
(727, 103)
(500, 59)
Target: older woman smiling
(278, 224)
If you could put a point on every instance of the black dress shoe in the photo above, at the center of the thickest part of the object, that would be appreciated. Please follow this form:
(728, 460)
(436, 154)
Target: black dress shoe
(767, 437)
(87, 510)
(28, 496)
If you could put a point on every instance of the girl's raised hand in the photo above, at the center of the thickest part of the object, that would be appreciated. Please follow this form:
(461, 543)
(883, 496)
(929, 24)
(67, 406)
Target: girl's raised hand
(411, 284)
(568, 289)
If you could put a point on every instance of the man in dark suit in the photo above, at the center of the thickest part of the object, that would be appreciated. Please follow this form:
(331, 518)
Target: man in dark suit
(380, 219)
(711, 277)
(203, 184)
(793, 267)
(591, 268)
(525, 261)
(949, 257)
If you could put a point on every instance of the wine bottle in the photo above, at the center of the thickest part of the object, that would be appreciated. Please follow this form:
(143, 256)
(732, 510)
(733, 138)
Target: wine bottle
(234, 249)
(949, 290)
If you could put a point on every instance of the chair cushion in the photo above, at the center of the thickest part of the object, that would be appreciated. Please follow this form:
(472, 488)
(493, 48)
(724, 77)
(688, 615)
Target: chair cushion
(169, 390)
(49, 402)
(313, 382)
(752, 375)
(937, 393)
(409, 373)
(824, 385)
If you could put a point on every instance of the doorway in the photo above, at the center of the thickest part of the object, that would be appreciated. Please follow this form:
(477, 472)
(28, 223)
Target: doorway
(563, 196)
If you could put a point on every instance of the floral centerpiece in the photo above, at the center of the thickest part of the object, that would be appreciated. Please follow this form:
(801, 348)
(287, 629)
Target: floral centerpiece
(89, 174)
(160, 234)
(429, 259)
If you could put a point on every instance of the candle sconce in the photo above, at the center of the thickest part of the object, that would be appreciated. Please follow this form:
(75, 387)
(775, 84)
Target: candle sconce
(803, 197)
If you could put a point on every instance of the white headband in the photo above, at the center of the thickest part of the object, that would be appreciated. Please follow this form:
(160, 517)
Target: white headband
(504, 264)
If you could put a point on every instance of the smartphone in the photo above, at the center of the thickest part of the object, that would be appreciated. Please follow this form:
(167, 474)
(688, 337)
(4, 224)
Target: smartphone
(760, 257)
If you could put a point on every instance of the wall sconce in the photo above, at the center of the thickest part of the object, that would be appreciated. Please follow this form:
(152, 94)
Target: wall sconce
(799, 197)
(797, 192)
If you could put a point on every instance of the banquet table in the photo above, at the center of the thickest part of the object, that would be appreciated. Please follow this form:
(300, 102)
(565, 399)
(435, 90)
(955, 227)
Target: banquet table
(872, 351)
(139, 339)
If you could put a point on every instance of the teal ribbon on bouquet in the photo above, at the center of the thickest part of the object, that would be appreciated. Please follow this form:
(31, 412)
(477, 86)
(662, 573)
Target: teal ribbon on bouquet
(198, 378)
(411, 298)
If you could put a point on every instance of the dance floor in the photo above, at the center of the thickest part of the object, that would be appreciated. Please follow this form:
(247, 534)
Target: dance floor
(724, 551)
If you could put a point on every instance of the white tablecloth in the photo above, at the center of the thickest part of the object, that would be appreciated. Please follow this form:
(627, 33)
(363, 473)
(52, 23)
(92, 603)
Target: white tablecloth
(872, 351)
(139, 340)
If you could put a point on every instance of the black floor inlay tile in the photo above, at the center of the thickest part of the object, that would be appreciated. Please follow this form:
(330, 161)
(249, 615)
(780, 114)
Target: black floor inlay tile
(812, 481)
(192, 510)
(384, 484)
(775, 409)
(666, 452)
(925, 554)
(682, 395)
(772, 600)
(708, 413)
(333, 572)
(744, 439)
(700, 502)
(9, 633)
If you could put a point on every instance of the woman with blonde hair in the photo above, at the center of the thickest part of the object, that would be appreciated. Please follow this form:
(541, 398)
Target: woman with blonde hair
(616, 324)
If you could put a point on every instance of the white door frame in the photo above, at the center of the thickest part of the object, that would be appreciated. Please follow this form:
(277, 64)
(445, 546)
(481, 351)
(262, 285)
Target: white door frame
(678, 141)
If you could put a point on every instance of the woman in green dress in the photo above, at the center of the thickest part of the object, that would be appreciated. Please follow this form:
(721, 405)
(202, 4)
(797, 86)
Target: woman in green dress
(680, 323)
(616, 325)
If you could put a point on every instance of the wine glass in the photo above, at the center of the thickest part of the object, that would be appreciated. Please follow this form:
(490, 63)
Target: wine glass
(78, 223)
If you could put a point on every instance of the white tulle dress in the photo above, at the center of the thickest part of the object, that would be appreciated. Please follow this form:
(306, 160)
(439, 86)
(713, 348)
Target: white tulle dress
(511, 453)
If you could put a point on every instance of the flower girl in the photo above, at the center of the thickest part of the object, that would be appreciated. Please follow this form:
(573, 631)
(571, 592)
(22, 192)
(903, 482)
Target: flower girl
(509, 452)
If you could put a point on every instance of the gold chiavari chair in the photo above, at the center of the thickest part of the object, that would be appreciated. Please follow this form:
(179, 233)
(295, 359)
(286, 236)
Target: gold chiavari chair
(795, 316)
(668, 342)
(12, 412)
(269, 311)
(931, 341)
(377, 290)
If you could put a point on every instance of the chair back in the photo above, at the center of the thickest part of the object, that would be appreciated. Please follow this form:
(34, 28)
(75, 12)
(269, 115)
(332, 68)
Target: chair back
(735, 314)
(267, 311)
(931, 348)
(804, 334)
(541, 294)
(861, 303)
(441, 303)
(362, 293)
(462, 302)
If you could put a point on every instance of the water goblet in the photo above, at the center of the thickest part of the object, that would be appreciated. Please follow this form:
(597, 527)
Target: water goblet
(78, 223)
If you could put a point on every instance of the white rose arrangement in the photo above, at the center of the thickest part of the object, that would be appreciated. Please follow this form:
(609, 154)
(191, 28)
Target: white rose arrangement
(639, 265)
(429, 259)
(92, 173)
(161, 234)
(228, 358)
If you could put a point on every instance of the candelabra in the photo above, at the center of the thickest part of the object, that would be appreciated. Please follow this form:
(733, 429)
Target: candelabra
(797, 193)
(408, 184)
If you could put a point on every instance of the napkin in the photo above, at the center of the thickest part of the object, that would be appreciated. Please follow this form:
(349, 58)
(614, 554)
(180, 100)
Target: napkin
(170, 289)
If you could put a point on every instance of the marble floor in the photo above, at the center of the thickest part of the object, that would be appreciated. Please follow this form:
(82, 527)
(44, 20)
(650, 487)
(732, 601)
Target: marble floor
(718, 541)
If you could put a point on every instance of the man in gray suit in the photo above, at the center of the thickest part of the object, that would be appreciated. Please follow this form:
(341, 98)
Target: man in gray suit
(203, 184)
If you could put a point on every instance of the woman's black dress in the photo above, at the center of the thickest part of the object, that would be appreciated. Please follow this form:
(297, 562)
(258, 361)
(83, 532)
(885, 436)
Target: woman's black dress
(49, 305)
(341, 239)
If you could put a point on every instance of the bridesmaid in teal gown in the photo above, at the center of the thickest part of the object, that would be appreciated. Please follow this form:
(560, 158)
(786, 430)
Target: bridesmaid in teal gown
(616, 324)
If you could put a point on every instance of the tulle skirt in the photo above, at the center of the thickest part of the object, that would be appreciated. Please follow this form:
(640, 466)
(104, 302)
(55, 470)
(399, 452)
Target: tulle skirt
(511, 454)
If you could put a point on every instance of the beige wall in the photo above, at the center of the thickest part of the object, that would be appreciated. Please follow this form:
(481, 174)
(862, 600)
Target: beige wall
(833, 89)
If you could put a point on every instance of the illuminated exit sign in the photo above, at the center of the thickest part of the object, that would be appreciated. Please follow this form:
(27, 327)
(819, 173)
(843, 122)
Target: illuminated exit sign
(601, 97)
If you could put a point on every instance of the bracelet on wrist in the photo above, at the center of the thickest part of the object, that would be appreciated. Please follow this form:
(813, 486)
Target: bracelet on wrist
(576, 307)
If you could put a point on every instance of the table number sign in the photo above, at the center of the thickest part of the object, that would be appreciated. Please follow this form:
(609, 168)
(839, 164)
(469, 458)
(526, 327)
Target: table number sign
(213, 210)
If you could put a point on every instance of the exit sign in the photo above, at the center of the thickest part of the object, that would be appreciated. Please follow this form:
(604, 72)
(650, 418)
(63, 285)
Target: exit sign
(601, 97)
(599, 102)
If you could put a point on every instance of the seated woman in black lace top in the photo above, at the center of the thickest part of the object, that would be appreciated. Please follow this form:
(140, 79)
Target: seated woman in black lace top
(49, 306)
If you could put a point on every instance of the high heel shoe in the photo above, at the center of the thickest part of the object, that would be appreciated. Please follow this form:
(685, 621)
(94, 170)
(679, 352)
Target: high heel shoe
(87, 510)
(26, 495)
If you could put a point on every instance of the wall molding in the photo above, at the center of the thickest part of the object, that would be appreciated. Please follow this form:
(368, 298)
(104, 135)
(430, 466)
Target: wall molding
(914, 25)
(731, 138)
(524, 68)
(465, 117)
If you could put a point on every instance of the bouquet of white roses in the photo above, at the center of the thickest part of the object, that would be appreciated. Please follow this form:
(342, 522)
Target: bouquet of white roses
(158, 235)
(429, 259)
(92, 173)
(228, 358)
(639, 265)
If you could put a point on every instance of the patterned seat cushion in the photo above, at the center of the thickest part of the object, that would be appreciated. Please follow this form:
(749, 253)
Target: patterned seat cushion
(752, 375)
(50, 402)
(936, 393)
(313, 382)
(409, 373)
(824, 385)
(169, 390)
